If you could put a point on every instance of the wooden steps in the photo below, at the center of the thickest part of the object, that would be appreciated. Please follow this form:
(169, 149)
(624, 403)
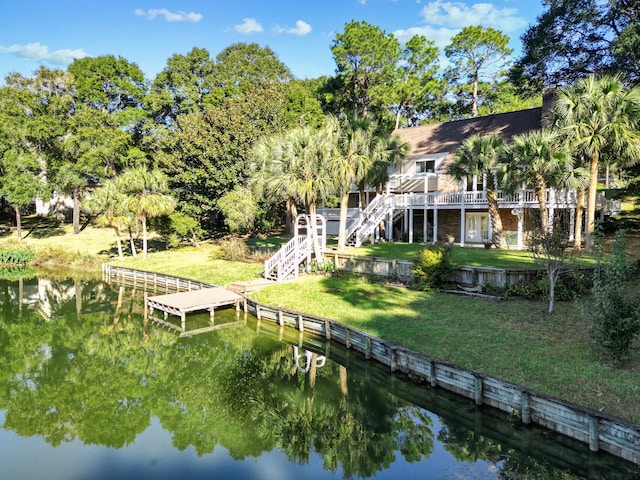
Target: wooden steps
(250, 286)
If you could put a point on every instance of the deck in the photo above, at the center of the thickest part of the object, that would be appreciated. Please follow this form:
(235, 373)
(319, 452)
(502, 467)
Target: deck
(182, 303)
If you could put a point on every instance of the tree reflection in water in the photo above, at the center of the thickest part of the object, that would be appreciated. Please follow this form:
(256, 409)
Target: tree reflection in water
(79, 363)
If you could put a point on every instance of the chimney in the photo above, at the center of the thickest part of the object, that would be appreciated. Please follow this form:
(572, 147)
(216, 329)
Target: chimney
(548, 99)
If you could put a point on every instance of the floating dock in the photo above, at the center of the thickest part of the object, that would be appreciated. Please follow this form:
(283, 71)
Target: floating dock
(182, 303)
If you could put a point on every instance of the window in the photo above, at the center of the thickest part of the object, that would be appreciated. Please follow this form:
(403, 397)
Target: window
(425, 166)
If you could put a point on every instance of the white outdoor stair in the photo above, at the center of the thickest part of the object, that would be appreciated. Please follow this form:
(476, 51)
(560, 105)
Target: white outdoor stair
(286, 261)
(284, 264)
(365, 223)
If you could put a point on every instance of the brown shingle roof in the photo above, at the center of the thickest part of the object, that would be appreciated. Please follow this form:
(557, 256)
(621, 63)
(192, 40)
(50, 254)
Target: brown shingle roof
(446, 137)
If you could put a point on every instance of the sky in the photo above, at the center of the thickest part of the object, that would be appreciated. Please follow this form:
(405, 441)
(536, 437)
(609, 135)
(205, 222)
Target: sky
(148, 32)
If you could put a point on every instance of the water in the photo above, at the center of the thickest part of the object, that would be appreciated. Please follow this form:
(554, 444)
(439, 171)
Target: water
(89, 389)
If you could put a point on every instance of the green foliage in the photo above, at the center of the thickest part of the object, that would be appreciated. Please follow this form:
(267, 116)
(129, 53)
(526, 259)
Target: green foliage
(240, 209)
(233, 249)
(366, 59)
(476, 53)
(15, 273)
(208, 154)
(528, 291)
(570, 40)
(16, 256)
(432, 267)
(178, 229)
(614, 311)
(324, 268)
(570, 285)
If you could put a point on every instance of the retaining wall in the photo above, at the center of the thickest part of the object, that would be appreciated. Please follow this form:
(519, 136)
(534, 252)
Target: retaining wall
(599, 430)
(463, 275)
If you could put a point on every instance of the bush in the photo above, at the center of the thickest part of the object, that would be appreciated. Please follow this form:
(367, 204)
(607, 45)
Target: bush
(177, 229)
(614, 313)
(16, 256)
(432, 267)
(234, 249)
(530, 291)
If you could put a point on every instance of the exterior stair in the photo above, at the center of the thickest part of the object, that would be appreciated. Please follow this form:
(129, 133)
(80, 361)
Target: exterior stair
(286, 261)
(365, 222)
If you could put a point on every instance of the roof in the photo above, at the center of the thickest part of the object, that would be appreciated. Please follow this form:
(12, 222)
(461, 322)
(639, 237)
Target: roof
(447, 136)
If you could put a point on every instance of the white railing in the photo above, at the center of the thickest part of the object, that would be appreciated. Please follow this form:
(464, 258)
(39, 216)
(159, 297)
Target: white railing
(286, 260)
(357, 221)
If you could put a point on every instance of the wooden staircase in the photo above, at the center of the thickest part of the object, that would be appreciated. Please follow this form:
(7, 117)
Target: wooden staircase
(286, 261)
(365, 222)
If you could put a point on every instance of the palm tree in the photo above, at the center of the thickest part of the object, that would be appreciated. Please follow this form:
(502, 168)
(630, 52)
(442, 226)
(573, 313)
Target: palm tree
(147, 196)
(353, 138)
(536, 158)
(266, 159)
(482, 156)
(598, 116)
(108, 203)
(302, 172)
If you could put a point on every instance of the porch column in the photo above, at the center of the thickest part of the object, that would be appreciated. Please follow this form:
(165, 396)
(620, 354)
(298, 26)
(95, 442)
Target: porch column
(405, 223)
(462, 215)
(551, 202)
(520, 216)
(435, 225)
(572, 224)
(410, 224)
(424, 226)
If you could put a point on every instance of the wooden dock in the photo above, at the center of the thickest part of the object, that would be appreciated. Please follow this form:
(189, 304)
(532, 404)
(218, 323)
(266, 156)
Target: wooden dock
(182, 303)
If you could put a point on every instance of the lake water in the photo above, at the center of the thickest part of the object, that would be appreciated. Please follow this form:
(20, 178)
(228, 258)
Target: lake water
(90, 390)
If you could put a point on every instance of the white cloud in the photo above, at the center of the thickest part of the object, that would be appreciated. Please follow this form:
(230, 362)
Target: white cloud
(301, 29)
(248, 25)
(169, 16)
(440, 36)
(38, 52)
(459, 15)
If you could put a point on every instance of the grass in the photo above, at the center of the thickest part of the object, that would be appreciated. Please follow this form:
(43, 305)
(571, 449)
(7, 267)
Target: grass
(513, 340)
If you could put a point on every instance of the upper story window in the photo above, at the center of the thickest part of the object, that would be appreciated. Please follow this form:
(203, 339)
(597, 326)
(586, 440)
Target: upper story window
(425, 166)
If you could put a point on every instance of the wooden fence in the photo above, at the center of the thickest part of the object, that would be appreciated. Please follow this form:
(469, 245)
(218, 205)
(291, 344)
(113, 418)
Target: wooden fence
(599, 430)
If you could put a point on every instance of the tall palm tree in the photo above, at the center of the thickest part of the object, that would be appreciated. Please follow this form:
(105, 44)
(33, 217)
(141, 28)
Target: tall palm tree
(147, 196)
(482, 156)
(108, 203)
(303, 172)
(351, 160)
(598, 116)
(537, 158)
(266, 159)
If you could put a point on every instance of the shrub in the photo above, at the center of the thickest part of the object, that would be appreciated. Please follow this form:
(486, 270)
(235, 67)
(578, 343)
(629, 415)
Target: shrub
(530, 291)
(177, 229)
(16, 256)
(432, 267)
(615, 315)
(234, 249)
(325, 268)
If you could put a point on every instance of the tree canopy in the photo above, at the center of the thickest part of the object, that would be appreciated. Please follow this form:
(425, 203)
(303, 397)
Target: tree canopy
(572, 40)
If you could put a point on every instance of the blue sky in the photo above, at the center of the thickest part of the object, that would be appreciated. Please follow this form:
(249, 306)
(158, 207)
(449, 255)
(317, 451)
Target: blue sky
(300, 32)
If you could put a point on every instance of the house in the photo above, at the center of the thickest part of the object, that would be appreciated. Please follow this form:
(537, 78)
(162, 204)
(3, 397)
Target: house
(423, 203)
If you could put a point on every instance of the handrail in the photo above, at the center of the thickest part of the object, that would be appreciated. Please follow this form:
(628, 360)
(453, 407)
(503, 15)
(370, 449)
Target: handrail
(360, 218)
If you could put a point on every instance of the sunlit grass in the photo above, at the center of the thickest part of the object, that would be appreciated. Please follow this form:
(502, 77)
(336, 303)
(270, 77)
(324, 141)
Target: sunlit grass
(514, 340)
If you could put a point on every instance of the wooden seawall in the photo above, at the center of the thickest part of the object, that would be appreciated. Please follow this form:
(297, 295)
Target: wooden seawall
(596, 429)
